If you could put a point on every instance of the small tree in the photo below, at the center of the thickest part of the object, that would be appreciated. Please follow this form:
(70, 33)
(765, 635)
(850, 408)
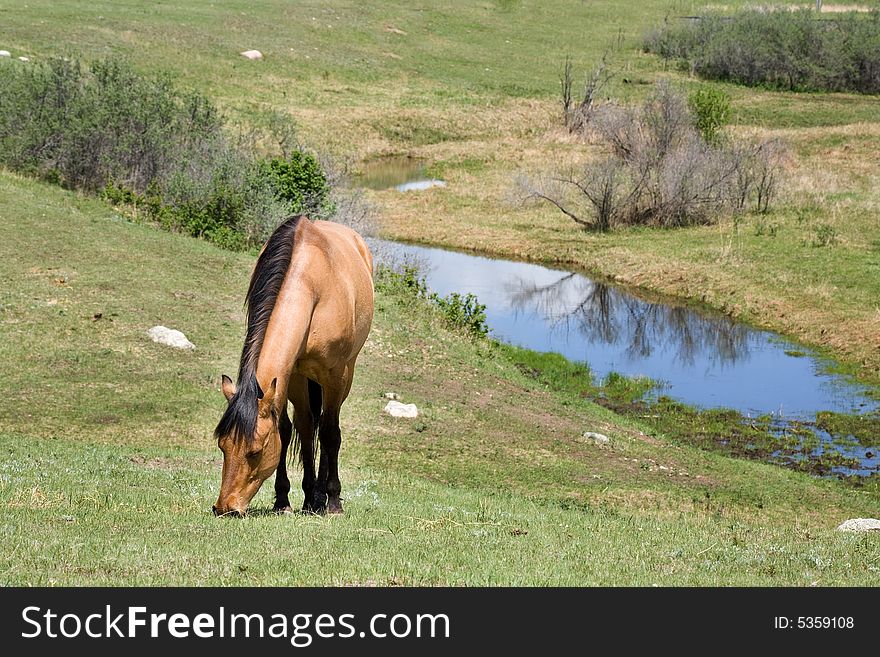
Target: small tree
(298, 180)
(711, 110)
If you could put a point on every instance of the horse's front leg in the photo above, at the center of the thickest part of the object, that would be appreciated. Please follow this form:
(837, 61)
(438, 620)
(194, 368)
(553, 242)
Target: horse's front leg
(282, 483)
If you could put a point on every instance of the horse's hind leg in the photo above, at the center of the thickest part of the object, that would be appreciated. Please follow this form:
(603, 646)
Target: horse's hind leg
(282, 483)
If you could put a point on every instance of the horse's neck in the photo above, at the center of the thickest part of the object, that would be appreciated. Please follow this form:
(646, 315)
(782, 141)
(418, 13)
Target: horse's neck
(286, 335)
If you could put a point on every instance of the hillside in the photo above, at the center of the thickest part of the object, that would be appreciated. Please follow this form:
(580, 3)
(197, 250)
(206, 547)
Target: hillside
(110, 468)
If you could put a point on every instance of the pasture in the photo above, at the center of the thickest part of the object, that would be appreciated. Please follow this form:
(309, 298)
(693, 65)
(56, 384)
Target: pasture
(110, 466)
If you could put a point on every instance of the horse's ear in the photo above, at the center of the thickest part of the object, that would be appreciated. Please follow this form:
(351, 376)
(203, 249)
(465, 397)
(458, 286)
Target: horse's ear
(228, 387)
(265, 402)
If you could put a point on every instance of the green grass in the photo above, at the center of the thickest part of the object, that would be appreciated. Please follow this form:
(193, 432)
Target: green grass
(109, 468)
(133, 516)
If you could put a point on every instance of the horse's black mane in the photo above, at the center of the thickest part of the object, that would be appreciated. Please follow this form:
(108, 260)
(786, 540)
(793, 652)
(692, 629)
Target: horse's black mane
(240, 418)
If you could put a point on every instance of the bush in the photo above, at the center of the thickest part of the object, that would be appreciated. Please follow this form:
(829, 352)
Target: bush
(711, 110)
(87, 128)
(781, 49)
(139, 140)
(662, 172)
(299, 181)
(577, 112)
(404, 281)
(463, 313)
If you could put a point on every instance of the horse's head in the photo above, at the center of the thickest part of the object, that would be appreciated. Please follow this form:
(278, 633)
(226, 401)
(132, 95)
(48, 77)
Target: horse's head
(251, 444)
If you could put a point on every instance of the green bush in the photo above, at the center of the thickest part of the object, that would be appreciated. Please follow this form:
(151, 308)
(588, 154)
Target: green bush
(711, 110)
(792, 50)
(404, 281)
(461, 312)
(138, 140)
(85, 128)
(299, 181)
(464, 312)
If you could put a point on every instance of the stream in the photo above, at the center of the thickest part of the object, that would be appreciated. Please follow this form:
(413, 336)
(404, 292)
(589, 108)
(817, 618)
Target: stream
(699, 357)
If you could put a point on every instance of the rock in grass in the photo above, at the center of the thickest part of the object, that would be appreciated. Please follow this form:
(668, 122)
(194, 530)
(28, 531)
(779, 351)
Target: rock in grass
(170, 337)
(5, 53)
(396, 409)
(252, 54)
(391, 395)
(24, 59)
(598, 438)
(859, 525)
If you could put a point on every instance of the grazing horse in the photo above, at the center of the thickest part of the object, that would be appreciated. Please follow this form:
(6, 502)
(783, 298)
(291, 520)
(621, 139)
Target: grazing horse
(309, 310)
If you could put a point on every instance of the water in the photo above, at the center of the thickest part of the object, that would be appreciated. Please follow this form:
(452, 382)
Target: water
(403, 173)
(702, 358)
(420, 185)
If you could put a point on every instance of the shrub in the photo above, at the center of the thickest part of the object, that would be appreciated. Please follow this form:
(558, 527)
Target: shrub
(87, 128)
(577, 113)
(139, 140)
(661, 171)
(711, 110)
(461, 312)
(780, 49)
(404, 281)
(464, 312)
(299, 181)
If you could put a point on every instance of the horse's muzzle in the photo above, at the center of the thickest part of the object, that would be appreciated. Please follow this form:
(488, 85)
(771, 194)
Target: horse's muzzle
(232, 513)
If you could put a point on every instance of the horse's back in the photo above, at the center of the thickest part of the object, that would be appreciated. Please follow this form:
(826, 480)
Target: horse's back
(345, 240)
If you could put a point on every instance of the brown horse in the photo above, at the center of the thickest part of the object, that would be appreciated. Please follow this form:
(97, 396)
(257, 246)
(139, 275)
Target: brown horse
(309, 310)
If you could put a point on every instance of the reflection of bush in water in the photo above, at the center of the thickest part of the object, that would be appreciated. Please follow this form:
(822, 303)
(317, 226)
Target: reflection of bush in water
(602, 313)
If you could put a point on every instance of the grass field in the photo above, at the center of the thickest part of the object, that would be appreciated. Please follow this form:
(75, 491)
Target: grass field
(109, 467)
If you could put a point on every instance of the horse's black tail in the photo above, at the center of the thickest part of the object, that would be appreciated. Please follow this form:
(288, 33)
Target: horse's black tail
(316, 401)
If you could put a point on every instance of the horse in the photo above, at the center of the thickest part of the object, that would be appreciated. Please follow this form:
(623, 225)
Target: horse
(309, 311)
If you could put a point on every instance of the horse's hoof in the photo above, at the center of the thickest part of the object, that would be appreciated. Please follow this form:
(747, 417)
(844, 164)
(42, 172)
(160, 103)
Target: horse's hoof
(280, 510)
(317, 505)
(335, 508)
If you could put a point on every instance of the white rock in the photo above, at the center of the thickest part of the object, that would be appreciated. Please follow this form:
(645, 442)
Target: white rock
(598, 438)
(170, 337)
(396, 409)
(859, 525)
(391, 395)
(24, 59)
(252, 54)
(5, 53)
